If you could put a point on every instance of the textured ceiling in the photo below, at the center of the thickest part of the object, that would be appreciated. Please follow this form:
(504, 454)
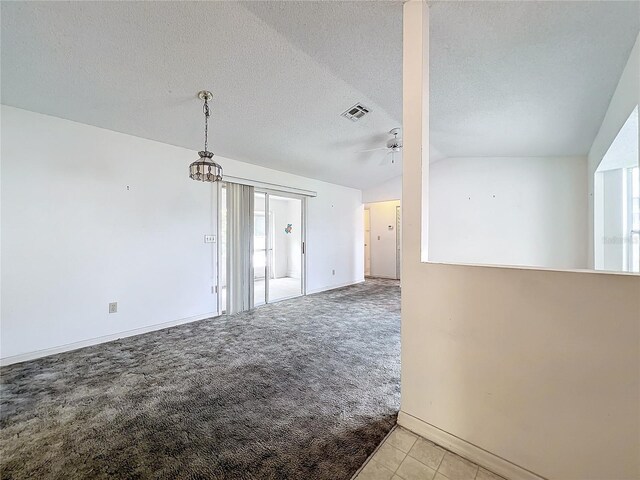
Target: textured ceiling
(281, 74)
(525, 78)
(508, 78)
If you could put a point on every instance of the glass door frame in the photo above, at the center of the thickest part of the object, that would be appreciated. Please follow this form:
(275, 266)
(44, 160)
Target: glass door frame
(268, 238)
(267, 245)
(303, 239)
(218, 266)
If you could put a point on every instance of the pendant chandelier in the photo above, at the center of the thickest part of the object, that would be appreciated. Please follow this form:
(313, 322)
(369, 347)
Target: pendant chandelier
(205, 169)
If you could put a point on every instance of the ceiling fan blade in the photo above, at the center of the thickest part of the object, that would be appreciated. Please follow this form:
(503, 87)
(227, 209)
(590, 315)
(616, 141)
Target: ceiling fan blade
(371, 150)
(385, 160)
(352, 142)
(363, 157)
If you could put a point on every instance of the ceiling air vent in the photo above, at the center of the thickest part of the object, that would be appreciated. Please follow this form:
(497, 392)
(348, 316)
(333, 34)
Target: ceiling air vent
(356, 112)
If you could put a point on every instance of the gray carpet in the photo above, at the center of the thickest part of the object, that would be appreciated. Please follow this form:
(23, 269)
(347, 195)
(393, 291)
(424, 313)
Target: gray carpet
(301, 389)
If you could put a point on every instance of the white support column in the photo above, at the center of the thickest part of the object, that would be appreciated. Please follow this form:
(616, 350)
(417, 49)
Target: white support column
(415, 125)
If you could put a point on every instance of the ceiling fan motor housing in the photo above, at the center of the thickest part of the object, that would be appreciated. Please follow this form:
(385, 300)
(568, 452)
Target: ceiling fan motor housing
(394, 143)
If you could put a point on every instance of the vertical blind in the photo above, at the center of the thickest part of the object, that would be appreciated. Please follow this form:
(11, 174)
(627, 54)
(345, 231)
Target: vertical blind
(240, 200)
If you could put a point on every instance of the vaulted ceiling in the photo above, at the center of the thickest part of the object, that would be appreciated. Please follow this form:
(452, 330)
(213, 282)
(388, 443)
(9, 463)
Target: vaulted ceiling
(525, 78)
(507, 78)
(281, 74)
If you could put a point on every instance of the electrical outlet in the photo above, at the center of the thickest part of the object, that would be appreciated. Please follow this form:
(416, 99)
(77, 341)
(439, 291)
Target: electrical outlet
(113, 307)
(209, 239)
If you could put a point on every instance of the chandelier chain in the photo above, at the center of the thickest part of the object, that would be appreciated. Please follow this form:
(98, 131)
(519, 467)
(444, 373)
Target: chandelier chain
(205, 109)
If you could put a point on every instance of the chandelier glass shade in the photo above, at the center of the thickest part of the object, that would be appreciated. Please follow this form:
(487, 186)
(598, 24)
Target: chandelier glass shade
(205, 169)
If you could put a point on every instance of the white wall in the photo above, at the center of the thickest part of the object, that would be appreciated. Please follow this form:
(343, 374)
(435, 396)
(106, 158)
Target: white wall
(624, 150)
(334, 225)
(509, 211)
(383, 239)
(389, 190)
(535, 368)
(625, 98)
(74, 238)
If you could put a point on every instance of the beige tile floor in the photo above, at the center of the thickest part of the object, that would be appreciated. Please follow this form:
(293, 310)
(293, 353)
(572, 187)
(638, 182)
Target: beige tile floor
(405, 456)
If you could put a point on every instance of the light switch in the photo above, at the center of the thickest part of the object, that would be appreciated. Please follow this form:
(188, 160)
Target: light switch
(209, 239)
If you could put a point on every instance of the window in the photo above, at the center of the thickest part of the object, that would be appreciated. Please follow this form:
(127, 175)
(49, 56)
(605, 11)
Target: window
(633, 218)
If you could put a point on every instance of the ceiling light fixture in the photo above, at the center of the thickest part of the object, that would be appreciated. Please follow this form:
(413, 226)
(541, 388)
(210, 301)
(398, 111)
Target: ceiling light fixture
(205, 169)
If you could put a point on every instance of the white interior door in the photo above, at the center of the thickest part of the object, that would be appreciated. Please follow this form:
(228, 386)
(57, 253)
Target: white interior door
(367, 242)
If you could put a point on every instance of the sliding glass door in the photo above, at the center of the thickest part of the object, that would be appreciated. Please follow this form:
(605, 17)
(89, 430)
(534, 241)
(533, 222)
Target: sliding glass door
(269, 227)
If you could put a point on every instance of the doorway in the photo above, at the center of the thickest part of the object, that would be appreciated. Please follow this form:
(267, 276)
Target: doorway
(382, 239)
(367, 242)
(275, 246)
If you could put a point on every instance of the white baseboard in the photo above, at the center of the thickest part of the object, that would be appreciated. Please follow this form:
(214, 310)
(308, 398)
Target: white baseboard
(465, 449)
(23, 357)
(333, 287)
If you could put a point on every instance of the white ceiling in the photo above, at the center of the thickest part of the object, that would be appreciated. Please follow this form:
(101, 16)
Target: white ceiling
(281, 74)
(507, 78)
(525, 78)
